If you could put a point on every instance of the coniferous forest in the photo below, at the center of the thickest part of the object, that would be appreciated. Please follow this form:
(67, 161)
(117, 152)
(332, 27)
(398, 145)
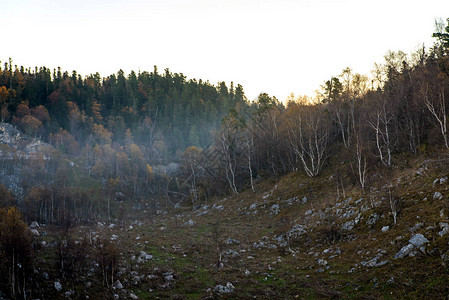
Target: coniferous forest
(85, 149)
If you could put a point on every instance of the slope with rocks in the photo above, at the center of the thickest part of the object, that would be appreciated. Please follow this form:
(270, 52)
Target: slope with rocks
(294, 238)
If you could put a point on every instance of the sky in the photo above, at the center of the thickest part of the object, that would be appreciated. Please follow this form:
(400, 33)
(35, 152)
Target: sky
(274, 46)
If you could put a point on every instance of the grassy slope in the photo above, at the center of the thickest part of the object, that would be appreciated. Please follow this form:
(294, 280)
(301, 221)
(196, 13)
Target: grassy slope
(192, 253)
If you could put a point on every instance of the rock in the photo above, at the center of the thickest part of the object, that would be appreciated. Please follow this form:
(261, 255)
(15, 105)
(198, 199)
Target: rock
(144, 255)
(444, 229)
(275, 209)
(322, 262)
(114, 237)
(373, 219)
(34, 224)
(443, 180)
(111, 226)
(404, 251)
(382, 263)
(416, 227)
(133, 296)
(418, 240)
(247, 273)
(231, 253)
(189, 223)
(35, 232)
(231, 241)
(58, 286)
(437, 196)
(224, 289)
(304, 200)
(296, 231)
(253, 206)
(348, 226)
(308, 212)
(118, 285)
(385, 228)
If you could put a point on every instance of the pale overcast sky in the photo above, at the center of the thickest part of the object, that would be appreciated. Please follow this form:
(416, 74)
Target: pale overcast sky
(273, 46)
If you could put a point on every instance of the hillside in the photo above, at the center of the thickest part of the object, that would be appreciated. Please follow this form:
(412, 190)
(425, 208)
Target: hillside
(154, 186)
(293, 238)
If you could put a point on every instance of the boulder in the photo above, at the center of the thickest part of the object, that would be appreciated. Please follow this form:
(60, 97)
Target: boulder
(437, 196)
(444, 229)
(58, 286)
(404, 251)
(34, 224)
(189, 223)
(418, 240)
(224, 289)
(296, 231)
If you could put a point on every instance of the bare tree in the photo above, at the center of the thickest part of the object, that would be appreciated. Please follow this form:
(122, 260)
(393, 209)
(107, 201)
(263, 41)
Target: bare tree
(437, 108)
(309, 135)
(381, 124)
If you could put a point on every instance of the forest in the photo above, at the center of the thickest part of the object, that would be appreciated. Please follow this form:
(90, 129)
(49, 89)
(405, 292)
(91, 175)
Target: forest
(151, 141)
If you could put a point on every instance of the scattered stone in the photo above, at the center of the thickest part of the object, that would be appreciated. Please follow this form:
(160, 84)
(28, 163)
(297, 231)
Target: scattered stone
(275, 209)
(35, 232)
(322, 262)
(373, 218)
(404, 251)
(443, 180)
(416, 227)
(348, 226)
(58, 286)
(118, 285)
(231, 241)
(385, 228)
(247, 273)
(308, 212)
(111, 226)
(219, 207)
(304, 200)
(224, 289)
(144, 255)
(189, 223)
(231, 253)
(418, 240)
(390, 281)
(444, 229)
(114, 237)
(296, 231)
(133, 296)
(34, 224)
(437, 196)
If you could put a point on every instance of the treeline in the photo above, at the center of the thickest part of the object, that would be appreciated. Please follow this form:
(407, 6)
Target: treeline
(164, 113)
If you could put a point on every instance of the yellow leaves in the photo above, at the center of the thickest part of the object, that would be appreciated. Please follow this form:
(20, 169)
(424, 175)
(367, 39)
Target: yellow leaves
(149, 172)
(96, 111)
(102, 135)
(135, 152)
